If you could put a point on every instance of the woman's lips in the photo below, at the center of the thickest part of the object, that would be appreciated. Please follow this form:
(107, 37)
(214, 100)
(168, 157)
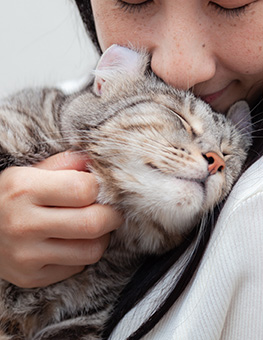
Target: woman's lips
(211, 97)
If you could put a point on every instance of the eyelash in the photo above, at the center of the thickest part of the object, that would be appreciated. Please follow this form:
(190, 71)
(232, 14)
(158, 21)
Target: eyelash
(229, 12)
(131, 8)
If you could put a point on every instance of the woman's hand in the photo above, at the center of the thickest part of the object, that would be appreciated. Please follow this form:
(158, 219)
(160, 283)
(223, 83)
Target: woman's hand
(50, 225)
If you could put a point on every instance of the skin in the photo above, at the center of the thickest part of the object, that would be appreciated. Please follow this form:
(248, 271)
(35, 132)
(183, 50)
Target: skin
(213, 48)
(50, 225)
(215, 51)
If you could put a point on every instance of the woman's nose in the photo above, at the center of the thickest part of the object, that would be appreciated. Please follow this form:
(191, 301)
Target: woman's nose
(183, 56)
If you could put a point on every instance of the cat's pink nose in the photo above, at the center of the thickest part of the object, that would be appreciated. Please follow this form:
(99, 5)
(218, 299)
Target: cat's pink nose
(215, 162)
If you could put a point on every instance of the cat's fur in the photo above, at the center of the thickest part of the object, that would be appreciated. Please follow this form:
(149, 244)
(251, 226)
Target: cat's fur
(147, 143)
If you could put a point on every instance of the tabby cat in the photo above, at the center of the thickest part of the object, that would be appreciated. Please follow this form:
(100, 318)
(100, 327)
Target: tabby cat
(161, 157)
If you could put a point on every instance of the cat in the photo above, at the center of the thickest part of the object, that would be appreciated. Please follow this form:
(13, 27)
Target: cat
(161, 156)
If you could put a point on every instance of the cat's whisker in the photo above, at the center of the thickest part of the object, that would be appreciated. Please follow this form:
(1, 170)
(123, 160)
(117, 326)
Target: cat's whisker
(258, 130)
(126, 132)
(256, 106)
(131, 133)
(145, 150)
(255, 123)
(133, 140)
(113, 143)
(133, 148)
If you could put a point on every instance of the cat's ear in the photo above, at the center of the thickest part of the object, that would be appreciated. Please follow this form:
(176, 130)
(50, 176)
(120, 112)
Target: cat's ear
(118, 63)
(239, 114)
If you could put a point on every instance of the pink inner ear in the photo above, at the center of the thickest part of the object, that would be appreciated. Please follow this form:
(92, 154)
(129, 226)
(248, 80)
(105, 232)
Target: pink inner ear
(99, 84)
(119, 57)
(115, 61)
(108, 58)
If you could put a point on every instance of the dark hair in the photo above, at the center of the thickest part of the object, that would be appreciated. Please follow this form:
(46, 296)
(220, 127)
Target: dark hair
(155, 267)
(86, 14)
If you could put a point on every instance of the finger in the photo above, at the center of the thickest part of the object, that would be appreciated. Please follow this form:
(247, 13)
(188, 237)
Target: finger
(65, 161)
(75, 252)
(51, 274)
(79, 223)
(64, 188)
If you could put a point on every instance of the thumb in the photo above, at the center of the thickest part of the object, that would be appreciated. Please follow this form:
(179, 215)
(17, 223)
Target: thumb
(65, 161)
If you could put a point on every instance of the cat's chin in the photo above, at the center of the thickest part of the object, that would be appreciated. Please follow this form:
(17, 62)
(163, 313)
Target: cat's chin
(177, 205)
(215, 191)
(150, 237)
(160, 222)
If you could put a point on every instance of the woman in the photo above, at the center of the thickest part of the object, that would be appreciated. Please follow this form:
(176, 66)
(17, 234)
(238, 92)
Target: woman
(214, 49)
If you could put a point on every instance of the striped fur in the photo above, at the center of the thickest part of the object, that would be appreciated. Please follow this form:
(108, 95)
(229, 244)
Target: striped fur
(146, 141)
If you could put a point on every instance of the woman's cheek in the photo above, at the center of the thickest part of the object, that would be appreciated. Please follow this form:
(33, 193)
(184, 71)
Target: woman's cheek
(116, 27)
(111, 27)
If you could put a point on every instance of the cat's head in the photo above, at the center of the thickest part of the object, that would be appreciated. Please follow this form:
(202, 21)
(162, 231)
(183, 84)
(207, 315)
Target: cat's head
(161, 155)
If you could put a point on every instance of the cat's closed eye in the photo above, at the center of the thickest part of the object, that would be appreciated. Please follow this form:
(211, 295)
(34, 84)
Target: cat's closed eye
(160, 156)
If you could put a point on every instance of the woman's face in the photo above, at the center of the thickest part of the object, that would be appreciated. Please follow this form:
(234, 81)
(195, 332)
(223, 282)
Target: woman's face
(213, 47)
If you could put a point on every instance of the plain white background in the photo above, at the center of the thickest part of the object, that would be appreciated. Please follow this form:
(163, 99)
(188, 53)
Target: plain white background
(42, 42)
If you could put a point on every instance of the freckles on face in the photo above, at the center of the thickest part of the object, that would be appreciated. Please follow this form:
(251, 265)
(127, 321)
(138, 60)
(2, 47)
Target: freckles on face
(193, 43)
(246, 43)
(241, 55)
(155, 28)
(115, 27)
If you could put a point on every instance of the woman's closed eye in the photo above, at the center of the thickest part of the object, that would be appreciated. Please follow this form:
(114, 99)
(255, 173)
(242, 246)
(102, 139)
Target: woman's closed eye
(231, 8)
(133, 5)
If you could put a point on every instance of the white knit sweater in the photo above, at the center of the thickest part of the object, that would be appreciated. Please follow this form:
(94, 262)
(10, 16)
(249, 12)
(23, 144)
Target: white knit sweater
(225, 298)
